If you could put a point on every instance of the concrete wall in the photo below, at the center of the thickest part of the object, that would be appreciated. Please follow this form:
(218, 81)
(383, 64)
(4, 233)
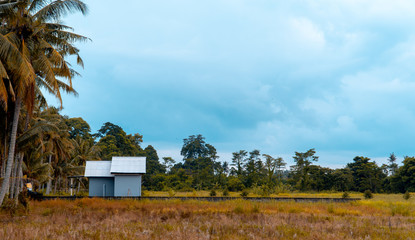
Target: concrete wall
(101, 186)
(127, 185)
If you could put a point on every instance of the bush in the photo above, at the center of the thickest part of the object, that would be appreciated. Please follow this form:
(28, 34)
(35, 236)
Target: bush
(10, 206)
(406, 195)
(225, 192)
(265, 191)
(235, 184)
(212, 193)
(244, 193)
(345, 195)
(368, 194)
(171, 192)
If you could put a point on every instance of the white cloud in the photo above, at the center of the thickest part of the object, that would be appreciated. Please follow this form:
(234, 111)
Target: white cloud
(306, 35)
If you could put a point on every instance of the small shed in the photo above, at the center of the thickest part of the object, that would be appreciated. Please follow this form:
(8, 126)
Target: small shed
(120, 177)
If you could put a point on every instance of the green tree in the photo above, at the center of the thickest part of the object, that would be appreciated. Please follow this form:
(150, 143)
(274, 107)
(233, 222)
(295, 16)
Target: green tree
(199, 161)
(238, 162)
(393, 166)
(235, 184)
(115, 142)
(343, 180)
(153, 168)
(300, 171)
(153, 165)
(79, 128)
(321, 178)
(253, 169)
(195, 147)
(168, 163)
(59, 146)
(404, 178)
(367, 175)
(84, 150)
(273, 167)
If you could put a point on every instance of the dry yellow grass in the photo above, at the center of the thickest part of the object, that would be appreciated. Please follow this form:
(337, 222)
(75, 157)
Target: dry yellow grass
(239, 219)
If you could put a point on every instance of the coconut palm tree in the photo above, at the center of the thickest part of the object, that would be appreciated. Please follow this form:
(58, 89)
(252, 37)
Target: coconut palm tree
(57, 143)
(33, 47)
(84, 150)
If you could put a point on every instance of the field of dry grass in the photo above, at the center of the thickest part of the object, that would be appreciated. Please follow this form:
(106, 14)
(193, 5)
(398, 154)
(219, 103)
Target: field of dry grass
(384, 217)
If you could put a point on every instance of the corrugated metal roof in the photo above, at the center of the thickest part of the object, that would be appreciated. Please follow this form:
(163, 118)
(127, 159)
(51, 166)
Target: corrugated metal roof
(128, 165)
(98, 169)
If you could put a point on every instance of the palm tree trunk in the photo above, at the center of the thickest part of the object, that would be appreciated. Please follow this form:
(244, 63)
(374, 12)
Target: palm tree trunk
(19, 176)
(49, 184)
(56, 184)
(3, 166)
(10, 158)
(19, 172)
(13, 177)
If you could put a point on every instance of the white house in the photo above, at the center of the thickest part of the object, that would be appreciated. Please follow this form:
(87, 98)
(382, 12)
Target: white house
(120, 177)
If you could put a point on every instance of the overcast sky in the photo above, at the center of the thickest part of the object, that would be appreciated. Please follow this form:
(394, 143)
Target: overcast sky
(278, 76)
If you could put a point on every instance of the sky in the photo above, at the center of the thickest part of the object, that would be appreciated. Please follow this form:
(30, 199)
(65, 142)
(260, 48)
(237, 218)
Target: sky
(278, 76)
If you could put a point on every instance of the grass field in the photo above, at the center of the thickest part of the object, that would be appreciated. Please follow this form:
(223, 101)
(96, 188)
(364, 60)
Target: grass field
(383, 217)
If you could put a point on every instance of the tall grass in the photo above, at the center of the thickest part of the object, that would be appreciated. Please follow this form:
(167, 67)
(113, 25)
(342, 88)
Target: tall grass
(238, 219)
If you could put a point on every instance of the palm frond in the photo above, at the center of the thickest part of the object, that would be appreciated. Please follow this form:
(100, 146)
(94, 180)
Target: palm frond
(59, 8)
(57, 26)
(7, 4)
(67, 88)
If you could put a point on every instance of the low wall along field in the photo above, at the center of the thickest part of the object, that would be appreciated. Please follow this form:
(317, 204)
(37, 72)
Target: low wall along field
(384, 217)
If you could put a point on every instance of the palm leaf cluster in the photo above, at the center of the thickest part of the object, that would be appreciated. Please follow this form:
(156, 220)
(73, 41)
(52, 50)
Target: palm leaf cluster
(34, 48)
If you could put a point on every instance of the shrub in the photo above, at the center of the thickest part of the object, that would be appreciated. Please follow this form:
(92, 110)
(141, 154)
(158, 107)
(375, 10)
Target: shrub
(171, 192)
(406, 195)
(9, 206)
(212, 193)
(235, 184)
(244, 193)
(265, 191)
(345, 195)
(368, 194)
(225, 192)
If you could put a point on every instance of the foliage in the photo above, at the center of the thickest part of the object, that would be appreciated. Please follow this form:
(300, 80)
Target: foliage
(63, 145)
(367, 175)
(393, 166)
(244, 193)
(78, 128)
(195, 147)
(238, 162)
(34, 47)
(406, 195)
(368, 194)
(212, 193)
(115, 142)
(301, 171)
(235, 184)
(345, 195)
(155, 170)
(404, 178)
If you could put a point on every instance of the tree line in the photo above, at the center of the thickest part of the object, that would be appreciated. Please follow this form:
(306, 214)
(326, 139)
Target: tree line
(55, 147)
(201, 169)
